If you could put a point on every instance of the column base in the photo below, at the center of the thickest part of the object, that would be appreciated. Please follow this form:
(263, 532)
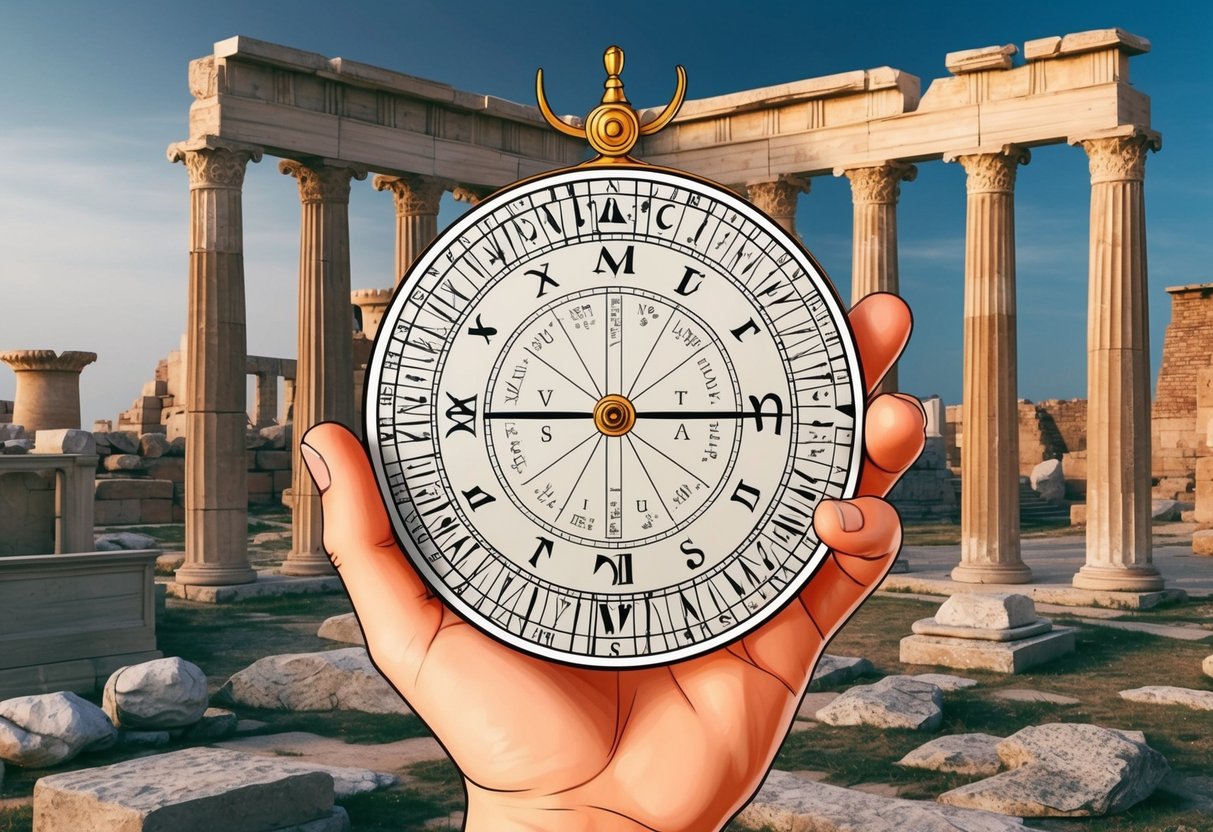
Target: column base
(995, 573)
(307, 565)
(1119, 579)
(206, 574)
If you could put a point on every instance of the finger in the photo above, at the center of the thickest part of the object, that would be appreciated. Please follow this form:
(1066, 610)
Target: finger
(864, 536)
(394, 606)
(894, 435)
(881, 323)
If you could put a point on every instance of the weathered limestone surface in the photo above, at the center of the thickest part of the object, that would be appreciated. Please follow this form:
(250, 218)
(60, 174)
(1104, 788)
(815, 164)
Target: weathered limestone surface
(789, 803)
(216, 494)
(194, 790)
(324, 380)
(163, 693)
(342, 628)
(836, 670)
(974, 754)
(999, 656)
(989, 497)
(994, 611)
(48, 388)
(1066, 770)
(1201, 700)
(946, 682)
(1119, 555)
(51, 728)
(893, 702)
(333, 680)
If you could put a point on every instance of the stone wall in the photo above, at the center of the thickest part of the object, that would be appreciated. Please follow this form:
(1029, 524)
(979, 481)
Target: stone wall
(6, 412)
(27, 513)
(1178, 440)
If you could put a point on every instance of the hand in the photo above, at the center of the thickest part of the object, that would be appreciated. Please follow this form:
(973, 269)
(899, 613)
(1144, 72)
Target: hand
(545, 746)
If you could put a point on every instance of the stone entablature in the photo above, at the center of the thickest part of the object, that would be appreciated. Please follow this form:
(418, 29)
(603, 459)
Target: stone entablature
(300, 104)
(1069, 87)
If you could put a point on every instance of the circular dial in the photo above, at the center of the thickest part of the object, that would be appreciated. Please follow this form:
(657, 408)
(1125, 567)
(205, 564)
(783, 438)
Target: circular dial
(602, 409)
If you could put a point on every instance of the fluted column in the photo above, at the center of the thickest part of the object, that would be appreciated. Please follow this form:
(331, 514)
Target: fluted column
(265, 401)
(989, 461)
(417, 199)
(216, 485)
(1119, 548)
(48, 387)
(777, 199)
(324, 372)
(874, 194)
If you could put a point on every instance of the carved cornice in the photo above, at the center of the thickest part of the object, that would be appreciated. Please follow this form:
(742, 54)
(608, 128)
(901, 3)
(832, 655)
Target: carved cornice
(413, 193)
(778, 198)
(879, 183)
(991, 172)
(1119, 158)
(214, 164)
(319, 182)
(70, 361)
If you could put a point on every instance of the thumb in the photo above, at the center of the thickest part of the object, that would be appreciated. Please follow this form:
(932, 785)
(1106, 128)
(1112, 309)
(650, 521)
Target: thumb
(394, 606)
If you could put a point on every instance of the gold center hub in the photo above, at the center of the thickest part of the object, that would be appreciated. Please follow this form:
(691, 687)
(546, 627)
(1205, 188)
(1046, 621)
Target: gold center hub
(614, 415)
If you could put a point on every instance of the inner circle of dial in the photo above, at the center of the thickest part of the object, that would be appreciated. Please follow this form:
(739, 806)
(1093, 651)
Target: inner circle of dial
(623, 407)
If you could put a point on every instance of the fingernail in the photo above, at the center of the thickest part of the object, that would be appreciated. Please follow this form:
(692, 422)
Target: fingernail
(316, 466)
(850, 518)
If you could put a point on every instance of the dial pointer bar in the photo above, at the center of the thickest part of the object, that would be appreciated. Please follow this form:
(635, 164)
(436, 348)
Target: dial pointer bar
(537, 414)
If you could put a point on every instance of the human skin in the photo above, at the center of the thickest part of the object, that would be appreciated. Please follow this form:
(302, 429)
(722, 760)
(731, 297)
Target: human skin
(544, 746)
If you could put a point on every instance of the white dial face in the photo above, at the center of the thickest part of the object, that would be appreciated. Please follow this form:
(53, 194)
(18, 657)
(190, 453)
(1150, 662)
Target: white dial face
(602, 409)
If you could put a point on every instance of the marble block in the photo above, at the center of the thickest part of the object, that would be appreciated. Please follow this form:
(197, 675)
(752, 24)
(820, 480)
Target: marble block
(999, 656)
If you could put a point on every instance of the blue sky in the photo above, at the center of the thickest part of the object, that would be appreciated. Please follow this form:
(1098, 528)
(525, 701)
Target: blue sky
(93, 218)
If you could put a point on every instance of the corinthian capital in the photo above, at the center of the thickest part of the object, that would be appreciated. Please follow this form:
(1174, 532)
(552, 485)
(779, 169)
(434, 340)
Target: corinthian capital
(993, 171)
(213, 163)
(321, 182)
(413, 193)
(878, 183)
(778, 198)
(1119, 158)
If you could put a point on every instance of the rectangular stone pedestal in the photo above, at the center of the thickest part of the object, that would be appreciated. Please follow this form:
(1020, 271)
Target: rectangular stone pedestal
(267, 585)
(195, 790)
(999, 656)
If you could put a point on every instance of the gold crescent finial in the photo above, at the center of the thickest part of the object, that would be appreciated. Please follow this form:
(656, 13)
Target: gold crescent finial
(613, 128)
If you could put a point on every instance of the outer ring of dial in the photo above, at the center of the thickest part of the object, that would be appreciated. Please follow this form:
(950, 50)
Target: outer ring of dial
(486, 207)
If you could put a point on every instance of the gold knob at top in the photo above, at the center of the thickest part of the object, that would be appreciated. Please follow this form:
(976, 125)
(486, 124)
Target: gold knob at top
(613, 128)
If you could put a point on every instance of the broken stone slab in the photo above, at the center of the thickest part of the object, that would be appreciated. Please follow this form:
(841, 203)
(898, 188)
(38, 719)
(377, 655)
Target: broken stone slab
(13, 447)
(47, 729)
(123, 441)
(124, 462)
(893, 702)
(945, 681)
(64, 441)
(125, 540)
(1200, 700)
(974, 754)
(343, 628)
(156, 695)
(152, 445)
(975, 60)
(999, 656)
(789, 803)
(1028, 695)
(1066, 770)
(992, 611)
(836, 670)
(334, 680)
(194, 790)
(1049, 481)
(932, 627)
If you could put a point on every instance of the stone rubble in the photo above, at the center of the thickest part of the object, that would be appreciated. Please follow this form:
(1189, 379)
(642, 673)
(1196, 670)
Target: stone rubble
(1066, 770)
(893, 702)
(156, 695)
(1049, 481)
(837, 670)
(51, 728)
(116, 541)
(343, 628)
(341, 680)
(973, 754)
(1200, 700)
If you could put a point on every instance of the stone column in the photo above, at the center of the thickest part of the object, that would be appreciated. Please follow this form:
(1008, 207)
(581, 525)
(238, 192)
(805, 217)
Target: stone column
(216, 484)
(989, 461)
(288, 400)
(265, 405)
(324, 372)
(48, 388)
(1119, 555)
(778, 199)
(874, 193)
(417, 198)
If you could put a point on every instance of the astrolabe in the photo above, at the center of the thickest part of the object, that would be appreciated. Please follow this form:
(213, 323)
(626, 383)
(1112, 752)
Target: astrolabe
(605, 403)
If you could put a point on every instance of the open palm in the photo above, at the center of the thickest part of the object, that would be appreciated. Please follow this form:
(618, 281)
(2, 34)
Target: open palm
(679, 747)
